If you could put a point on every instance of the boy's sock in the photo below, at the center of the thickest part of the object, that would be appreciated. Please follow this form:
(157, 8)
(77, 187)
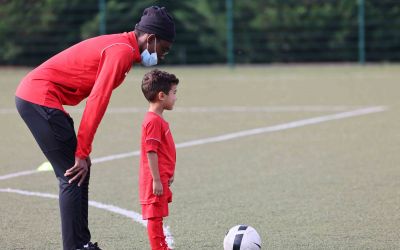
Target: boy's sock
(156, 234)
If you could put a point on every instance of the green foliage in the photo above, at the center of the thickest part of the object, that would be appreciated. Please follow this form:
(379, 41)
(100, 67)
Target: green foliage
(264, 30)
(34, 30)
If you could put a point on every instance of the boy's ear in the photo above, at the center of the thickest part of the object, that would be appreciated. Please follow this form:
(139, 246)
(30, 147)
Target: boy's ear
(161, 96)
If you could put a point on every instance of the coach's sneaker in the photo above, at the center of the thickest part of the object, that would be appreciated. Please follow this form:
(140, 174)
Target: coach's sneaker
(91, 246)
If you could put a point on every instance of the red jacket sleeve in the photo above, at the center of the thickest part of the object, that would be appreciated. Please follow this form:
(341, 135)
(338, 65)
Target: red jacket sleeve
(115, 62)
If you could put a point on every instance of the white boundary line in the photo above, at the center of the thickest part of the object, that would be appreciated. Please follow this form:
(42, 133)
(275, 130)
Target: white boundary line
(250, 132)
(285, 126)
(18, 174)
(230, 136)
(268, 109)
(110, 208)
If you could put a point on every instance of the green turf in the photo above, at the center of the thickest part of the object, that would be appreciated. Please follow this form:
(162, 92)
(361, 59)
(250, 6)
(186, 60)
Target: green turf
(332, 185)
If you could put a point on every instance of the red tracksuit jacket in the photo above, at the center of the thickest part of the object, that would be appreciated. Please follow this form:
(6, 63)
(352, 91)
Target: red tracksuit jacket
(90, 69)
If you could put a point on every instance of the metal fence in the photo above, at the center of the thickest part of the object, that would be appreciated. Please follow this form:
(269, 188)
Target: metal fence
(208, 31)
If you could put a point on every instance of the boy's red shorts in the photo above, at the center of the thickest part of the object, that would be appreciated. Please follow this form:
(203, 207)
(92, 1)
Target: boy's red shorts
(159, 207)
(155, 210)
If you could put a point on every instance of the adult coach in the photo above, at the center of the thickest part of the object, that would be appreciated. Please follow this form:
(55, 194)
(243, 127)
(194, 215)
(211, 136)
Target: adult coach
(90, 69)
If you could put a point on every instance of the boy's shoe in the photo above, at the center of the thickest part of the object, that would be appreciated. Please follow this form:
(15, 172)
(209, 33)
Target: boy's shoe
(169, 238)
(90, 246)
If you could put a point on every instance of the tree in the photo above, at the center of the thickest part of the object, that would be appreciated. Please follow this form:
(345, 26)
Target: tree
(31, 31)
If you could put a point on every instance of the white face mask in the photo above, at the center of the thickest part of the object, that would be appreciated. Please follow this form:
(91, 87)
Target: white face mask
(149, 59)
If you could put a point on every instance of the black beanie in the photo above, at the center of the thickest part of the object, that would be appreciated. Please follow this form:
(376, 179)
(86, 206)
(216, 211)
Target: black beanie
(156, 20)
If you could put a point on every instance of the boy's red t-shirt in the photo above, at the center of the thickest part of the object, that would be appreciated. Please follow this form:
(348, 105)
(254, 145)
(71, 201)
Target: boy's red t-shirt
(156, 137)
(92, 69)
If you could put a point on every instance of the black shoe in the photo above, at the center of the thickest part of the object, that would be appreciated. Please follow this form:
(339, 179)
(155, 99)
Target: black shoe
(91, 246)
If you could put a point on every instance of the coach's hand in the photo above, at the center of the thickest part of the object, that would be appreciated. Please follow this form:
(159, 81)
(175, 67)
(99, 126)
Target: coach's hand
(89, 162)
(79, 170)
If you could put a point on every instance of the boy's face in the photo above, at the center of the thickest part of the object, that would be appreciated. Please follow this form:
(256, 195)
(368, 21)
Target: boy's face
(170, 99)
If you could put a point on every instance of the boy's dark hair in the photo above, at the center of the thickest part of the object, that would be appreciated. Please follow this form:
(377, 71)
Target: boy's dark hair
(157, 81)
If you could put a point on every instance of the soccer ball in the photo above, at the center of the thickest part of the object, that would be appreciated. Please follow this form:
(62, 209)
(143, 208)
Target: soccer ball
(242, 237)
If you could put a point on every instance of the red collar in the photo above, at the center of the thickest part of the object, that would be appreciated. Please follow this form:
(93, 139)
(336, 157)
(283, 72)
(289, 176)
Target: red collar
(132, 40)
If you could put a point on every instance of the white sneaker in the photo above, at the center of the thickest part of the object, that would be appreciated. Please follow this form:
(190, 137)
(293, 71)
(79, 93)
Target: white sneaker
(169, 238)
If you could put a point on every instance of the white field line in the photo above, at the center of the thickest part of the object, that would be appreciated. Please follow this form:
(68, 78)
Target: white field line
(285, 126)
(250, 132)
(231, 136)
(110, 208)
(18, 174)
(115, 157)
(268, 109)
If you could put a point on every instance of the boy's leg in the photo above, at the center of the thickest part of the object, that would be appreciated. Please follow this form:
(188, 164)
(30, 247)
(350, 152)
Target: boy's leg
(156, 233)
(55, 134)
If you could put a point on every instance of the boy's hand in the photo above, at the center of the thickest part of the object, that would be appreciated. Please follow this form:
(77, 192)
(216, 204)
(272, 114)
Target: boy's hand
(170, 181)
(157, 188)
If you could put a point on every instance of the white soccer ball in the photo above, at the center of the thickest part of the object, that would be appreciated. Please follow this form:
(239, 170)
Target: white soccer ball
(242, 237)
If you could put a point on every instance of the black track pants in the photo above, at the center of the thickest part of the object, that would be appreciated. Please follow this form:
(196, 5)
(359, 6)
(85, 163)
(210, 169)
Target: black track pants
(54, 132)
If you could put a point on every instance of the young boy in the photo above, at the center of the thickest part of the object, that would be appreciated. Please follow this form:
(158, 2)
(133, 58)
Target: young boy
(158, 155)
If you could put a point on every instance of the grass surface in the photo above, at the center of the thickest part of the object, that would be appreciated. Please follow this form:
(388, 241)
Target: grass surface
(331, 185)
